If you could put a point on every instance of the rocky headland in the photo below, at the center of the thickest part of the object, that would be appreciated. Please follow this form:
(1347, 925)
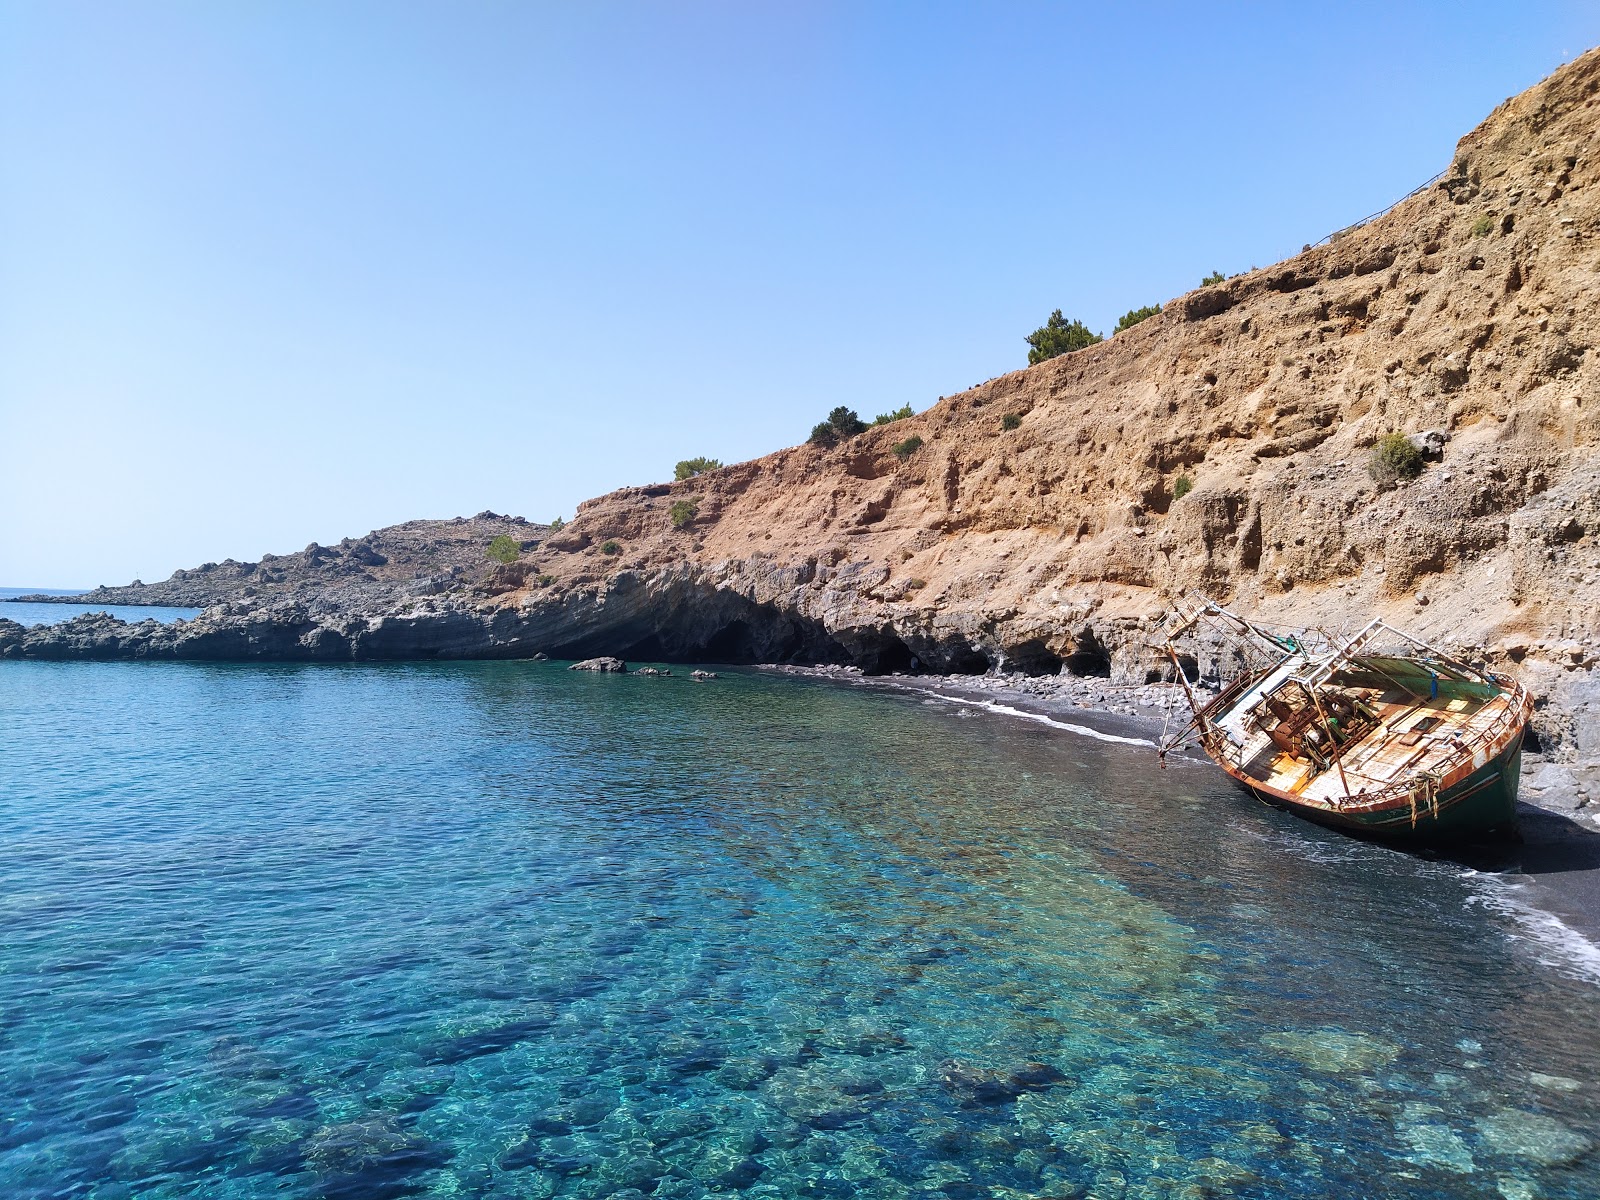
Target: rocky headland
(1037, 525)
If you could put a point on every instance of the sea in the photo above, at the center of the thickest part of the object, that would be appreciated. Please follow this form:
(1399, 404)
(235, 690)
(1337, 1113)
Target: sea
(52, 612)
(507, 930)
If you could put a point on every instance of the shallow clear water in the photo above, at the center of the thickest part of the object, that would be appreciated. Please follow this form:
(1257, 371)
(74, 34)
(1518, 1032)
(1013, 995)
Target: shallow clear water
(51, 614)
(501, 930)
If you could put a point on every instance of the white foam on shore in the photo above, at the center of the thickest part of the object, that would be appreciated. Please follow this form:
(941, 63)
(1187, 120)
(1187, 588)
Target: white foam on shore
(1554, 943)
(1070, 727)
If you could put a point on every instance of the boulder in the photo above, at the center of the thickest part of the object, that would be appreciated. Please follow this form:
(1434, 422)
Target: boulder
(604, 663)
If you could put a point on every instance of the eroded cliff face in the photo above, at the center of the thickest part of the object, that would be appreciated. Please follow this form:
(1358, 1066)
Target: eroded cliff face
(1470, 309)
(1058, 544)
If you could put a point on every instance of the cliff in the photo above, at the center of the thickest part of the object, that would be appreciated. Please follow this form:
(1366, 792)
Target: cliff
(1470, 310)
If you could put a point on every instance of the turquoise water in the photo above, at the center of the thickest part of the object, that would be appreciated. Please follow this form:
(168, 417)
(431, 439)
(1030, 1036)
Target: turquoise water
(500, 930)
(50, 614)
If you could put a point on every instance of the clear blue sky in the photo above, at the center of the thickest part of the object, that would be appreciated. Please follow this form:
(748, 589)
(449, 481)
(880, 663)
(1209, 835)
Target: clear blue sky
(281, 272)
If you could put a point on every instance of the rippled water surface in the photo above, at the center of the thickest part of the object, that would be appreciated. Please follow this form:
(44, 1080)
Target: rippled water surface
(502, 930)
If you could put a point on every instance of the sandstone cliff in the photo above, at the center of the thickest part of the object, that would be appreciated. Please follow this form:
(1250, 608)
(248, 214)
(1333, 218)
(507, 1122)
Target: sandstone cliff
(1469, 309)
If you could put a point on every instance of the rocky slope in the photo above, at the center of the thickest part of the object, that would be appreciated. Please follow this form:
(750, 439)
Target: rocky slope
(1470, 309)
(387, 566)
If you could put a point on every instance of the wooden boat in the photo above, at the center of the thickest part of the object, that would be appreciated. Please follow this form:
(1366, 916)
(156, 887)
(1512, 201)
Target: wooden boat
(1380, 734)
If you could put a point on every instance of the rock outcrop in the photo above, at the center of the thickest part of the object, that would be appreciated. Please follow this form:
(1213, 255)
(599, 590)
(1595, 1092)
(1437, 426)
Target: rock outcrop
(372, 573)
(1048, 517)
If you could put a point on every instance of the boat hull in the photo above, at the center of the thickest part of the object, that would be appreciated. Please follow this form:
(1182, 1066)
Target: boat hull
(1483, 802)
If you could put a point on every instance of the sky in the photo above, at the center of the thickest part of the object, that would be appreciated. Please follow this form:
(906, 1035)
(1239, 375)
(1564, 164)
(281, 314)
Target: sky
(275, 273)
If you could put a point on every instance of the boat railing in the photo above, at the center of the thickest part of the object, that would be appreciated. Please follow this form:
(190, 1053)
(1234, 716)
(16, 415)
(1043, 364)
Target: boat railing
(1511, 711)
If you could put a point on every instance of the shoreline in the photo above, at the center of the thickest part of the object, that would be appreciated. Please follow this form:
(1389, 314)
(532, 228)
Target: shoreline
(1554, 871)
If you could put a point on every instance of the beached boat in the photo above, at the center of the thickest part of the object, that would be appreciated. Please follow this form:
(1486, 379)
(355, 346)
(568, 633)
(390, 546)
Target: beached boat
(1378, 734)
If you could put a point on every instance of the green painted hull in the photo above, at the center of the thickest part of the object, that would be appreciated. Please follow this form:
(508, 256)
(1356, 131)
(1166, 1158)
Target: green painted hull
(1485, 802)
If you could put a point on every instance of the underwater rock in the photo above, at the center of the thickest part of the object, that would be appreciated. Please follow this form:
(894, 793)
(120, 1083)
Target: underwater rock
(1334, 1050)
(745, 1072)
(671, 1124)
(983, 1085)
(866, 1043)
(1532, 1137)
(1554, 1083)
(492, 1039)
(727, 1165)
(1437, 1146)
(1108, 1185)
(585, 1112)
(688, 1055)
(786, 1135)
(638, 1173)
(1220, 1173)
(814, 1100)
(1038, 1075)
(413, 1089)
(371, 1153)
(860, 1085)
(549, 1125)
(976, 1085)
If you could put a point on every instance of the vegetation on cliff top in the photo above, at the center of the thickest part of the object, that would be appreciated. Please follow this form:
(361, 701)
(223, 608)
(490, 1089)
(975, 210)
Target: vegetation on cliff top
(690, 467)
(842, 423)
(1133, 316)
(1058, 336)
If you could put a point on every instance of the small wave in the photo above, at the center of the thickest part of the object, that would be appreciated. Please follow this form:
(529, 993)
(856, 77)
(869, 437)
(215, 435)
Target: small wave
(1070, 727)
(1557, 945)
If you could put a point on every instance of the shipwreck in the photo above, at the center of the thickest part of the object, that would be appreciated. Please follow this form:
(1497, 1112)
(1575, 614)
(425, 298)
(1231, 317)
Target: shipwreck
(1379, 733)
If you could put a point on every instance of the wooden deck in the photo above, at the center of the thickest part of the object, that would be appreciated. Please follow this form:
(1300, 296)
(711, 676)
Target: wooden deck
(1389, 754)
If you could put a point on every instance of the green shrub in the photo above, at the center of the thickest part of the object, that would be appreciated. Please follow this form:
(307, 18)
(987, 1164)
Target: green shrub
(504, 549)
(899, 414)
(908, 447)
(1214, 277)
(610, 548)
(1011, 421)
(1133, 316)
(683, 511)
(690, 467)
(1058, 336)
(545, 580)
(1483, 226)
(1394, 458)
(556, 525)
(1181, 487)
(842, 422)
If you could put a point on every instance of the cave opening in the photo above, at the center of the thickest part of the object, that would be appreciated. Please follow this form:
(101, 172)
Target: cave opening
(1033, 657)
(1089, 657)
(733, 643)
(968, 661)
(890, 657)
